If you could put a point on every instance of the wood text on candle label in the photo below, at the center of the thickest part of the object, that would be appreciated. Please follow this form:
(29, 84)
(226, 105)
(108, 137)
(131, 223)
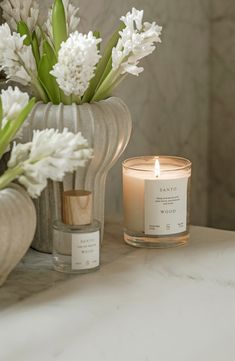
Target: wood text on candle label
(165, 206)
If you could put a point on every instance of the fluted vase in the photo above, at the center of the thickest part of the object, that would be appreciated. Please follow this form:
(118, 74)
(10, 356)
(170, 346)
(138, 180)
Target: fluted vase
(107, 127)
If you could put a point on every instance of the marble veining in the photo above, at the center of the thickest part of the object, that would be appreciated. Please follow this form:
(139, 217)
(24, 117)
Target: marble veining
(169, 102)
(199, 261)
(35, 273)
(222, 129)
(183, 104)
(169, 305)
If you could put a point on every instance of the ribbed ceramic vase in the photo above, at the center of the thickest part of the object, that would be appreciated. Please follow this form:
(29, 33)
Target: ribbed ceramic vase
(107, 127)
(17, 227)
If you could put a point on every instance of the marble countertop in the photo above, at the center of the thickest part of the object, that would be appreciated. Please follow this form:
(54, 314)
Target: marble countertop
(143, 305)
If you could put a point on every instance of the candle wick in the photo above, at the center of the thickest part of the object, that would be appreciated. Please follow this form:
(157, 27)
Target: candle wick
(157, 170)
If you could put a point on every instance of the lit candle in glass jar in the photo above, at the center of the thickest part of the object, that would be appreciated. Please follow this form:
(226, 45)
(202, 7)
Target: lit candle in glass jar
(156, 201)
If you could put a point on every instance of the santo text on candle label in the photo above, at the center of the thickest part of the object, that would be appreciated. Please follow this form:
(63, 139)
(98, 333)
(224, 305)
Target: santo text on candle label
(168, 189)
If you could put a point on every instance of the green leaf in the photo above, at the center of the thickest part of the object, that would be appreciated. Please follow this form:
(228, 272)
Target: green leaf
(8, 133)
(3, 132)
(23, 29)
(52, 60)
(10, 174)
(1, 113)
(97, 35)
(47, 80)
(44, 37)
(23, 115)
(107, 87)
(106, 72)
(59, 26)
(50, 53)
(35, 48)
(104, 66)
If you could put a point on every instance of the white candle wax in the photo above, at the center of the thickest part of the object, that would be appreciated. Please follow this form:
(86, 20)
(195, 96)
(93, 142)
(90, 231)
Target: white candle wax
(139, 179)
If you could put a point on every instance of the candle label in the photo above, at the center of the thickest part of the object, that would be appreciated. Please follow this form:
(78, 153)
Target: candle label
(85, 250)
(165, 206)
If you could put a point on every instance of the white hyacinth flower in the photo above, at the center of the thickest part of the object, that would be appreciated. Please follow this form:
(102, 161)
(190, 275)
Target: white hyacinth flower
(13, 102)
(77, 59)
(137, 40)
(50, 155)
(16, 59)
(20, 10)
(72, 20)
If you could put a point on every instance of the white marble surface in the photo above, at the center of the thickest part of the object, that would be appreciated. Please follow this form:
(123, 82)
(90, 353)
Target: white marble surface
(146, 305)
(35, 273)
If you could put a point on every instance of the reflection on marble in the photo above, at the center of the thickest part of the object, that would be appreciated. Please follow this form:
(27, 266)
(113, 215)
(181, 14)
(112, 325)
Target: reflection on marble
(169, 101)
(35, 272)
(222, 134)
(143, 305)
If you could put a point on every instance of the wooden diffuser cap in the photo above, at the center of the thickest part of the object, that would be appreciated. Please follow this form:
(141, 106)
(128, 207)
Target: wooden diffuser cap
(77, 207)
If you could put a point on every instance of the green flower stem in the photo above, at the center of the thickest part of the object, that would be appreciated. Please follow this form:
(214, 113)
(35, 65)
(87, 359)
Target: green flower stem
(65, 99)
(106, 86)
(9, 131)
(110, 79)
(104, 67)
(114, 85)
(41, 94)
(35, 83)
(76, 99)
(106, 72)
(5, 135)
(1, 113)
(10, 175)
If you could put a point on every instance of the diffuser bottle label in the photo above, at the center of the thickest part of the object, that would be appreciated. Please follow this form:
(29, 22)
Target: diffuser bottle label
(165, 206)
(85, 250)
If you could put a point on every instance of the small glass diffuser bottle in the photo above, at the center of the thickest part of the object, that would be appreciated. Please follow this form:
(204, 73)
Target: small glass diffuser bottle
(77, 238)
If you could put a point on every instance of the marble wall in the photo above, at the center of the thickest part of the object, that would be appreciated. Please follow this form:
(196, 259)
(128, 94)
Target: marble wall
(222, 122)
(170, 101)
(183, 104)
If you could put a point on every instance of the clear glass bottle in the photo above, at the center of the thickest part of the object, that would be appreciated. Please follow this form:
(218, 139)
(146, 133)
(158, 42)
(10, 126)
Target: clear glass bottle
(77, 238)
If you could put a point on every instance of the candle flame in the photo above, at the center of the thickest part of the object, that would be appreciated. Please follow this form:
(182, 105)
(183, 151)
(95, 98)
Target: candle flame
(157, 168)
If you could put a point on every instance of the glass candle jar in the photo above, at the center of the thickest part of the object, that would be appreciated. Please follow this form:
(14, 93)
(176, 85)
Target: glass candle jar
(156, 197)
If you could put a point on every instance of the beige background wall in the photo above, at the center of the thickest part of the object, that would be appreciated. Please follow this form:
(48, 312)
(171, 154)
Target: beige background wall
(222, 121)
(170, 101)
(183, 103)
